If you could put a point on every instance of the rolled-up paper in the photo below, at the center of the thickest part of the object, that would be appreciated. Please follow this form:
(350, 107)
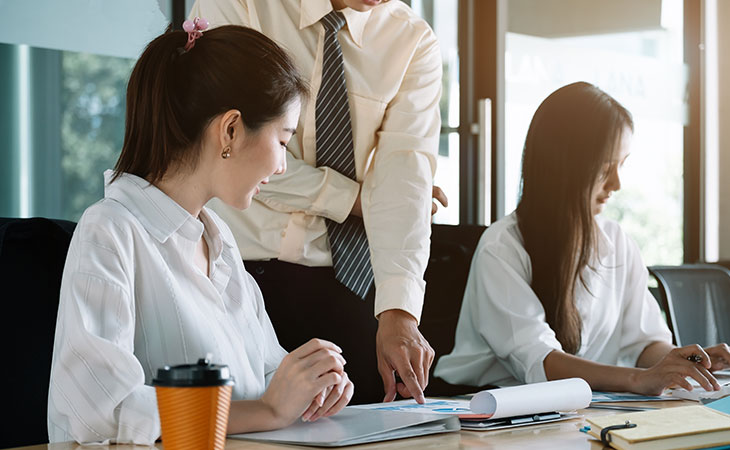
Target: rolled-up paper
(559, 395)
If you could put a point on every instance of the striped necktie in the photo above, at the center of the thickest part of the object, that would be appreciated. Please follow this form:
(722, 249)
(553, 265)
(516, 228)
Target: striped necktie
(348, 241)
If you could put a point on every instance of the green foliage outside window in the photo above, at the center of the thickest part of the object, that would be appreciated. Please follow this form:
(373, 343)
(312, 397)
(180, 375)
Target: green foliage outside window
(93, 93)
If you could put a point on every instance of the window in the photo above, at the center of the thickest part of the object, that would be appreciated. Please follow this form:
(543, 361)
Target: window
(442, 16)
(63, 84)
(641, 65)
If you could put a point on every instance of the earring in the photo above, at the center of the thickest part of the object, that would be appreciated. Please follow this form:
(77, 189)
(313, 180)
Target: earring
(226, 152)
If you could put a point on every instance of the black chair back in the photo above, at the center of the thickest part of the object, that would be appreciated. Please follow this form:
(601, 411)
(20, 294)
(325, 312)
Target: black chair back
(32, 256)
(452, 248)
(696, 299)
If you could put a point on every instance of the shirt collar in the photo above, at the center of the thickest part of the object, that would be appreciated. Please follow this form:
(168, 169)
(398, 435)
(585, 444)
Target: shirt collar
(160, 215)
(217, 239)
(312, 12)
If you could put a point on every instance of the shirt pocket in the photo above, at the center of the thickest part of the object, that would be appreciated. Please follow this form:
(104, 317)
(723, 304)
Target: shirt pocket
(367, 117)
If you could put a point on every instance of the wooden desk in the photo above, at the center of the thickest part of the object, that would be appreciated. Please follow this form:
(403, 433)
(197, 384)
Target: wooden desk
(557, 435)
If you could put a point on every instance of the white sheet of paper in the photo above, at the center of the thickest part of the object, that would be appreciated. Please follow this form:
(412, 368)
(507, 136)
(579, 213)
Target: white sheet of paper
(698, 392)
(560, 395)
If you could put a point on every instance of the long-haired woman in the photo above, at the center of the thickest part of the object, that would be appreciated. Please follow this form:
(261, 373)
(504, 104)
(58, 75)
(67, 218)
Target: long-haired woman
(557, 291)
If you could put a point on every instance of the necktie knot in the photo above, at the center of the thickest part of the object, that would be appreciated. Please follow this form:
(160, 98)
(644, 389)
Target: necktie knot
(334, 21)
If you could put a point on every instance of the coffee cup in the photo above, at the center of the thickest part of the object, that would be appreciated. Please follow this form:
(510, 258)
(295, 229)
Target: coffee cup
(193, 402)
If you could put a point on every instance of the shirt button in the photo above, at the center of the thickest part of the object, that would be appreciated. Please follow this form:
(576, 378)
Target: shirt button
(259, 270)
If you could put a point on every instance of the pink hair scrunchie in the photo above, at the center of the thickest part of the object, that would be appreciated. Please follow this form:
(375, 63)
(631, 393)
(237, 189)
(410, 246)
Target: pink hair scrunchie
(194, 28)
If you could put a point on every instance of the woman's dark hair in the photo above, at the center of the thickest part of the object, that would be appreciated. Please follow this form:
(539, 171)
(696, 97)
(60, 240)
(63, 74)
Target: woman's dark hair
(574, 133)
(173, 95)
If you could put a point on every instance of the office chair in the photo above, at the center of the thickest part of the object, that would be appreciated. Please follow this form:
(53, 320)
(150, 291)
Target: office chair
(32, 256)
(696, 299)
(452, 248)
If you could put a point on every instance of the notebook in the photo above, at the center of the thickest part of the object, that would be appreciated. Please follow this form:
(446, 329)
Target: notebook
(356, 426)
(684, 427)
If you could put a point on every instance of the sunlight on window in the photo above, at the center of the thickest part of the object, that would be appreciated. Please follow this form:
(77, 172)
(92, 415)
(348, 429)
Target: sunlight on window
(442, 16)
(644, 71)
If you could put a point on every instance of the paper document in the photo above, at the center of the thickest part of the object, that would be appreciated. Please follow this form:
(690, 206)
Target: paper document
(469, 419)
(608, 397)
(699, 393)
(560, 395)
(451, 407)
(504, 408)
(357, 426)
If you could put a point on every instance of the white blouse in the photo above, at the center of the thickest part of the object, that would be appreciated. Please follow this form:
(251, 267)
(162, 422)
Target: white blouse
(502, 337)
(132, 301)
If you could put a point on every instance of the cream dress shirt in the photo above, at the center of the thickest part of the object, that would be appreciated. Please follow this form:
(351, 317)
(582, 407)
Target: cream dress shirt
(132, 301)
(393, 74)
(502, 337)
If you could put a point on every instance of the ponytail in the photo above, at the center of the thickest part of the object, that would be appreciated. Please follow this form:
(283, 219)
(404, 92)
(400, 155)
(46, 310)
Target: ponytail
(173, 94)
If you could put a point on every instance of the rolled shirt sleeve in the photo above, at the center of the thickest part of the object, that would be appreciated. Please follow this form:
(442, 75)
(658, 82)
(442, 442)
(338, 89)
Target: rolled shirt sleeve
(315, 191)
(397, 189)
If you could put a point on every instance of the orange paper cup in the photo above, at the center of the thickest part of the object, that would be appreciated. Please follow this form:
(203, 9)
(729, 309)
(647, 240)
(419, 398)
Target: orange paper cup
(193, 402)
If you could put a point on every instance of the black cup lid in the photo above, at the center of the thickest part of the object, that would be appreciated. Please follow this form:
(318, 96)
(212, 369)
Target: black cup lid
(194, 375)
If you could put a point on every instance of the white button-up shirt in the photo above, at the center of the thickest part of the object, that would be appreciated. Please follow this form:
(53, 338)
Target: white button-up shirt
(133, 301)
(393, 74)
(502, 337)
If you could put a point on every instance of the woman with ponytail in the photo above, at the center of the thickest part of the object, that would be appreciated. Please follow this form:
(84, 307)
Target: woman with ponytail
(557, 291)
(154, 278)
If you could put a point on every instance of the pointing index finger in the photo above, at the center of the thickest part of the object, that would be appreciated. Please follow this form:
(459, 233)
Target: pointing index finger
(410, 379)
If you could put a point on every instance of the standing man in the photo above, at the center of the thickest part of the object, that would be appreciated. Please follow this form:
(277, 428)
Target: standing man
(345, 231)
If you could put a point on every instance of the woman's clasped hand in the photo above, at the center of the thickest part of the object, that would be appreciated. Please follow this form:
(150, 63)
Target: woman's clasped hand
(310, 383)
